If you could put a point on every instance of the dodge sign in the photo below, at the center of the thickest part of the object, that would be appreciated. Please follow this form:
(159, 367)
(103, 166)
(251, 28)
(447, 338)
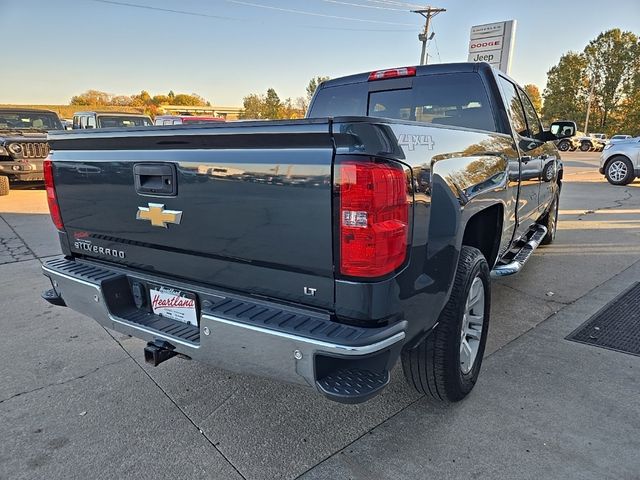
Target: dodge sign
(493, 43)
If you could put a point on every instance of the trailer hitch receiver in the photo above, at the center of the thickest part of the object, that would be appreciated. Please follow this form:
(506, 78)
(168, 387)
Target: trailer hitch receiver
(158, 351)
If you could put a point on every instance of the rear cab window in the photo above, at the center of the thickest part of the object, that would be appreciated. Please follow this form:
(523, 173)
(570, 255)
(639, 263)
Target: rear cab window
(340, 101)
(455, 99)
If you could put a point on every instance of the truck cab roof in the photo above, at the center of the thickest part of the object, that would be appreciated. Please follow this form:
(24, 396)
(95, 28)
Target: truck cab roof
(94, 112)
(420, 70)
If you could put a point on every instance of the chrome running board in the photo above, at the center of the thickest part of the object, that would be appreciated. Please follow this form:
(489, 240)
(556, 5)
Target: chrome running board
(520, 258)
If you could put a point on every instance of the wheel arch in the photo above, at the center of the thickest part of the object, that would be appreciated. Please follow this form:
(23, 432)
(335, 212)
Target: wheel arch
(483, 231)
(613, 157)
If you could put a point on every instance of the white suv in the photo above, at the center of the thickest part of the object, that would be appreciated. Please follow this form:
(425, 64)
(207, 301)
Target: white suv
(620, 162)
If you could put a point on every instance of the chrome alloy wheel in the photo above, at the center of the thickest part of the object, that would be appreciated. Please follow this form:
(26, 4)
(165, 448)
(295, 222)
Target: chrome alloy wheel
(617, 171)
(472, 322)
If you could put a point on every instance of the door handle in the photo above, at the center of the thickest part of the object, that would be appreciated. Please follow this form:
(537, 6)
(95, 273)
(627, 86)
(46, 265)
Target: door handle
(155, 179)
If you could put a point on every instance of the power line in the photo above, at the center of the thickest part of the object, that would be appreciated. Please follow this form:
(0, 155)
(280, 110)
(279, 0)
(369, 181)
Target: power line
(314, 14)
(166, 10)
(365, 6)
(218, 17)
(396, 4)
(351, 29)
(435, 39)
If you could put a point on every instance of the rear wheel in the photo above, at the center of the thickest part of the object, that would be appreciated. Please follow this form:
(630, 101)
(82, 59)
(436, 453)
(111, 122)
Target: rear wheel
(564, 145)
(446, 364)
(4, 185)
(619, 171)
(585, 146)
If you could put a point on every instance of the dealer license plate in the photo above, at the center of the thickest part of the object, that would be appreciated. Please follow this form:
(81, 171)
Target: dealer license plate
(174, 304)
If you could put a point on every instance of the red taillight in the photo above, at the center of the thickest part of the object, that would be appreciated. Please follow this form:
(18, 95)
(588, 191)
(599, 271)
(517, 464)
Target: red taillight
(392, 73)
(374, 218)
(54, 209)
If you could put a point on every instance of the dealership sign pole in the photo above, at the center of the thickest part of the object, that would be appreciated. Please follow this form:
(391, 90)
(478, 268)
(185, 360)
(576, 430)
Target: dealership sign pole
(493, 43)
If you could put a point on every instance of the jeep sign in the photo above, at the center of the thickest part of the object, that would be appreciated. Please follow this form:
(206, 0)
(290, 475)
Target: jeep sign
(493, 43)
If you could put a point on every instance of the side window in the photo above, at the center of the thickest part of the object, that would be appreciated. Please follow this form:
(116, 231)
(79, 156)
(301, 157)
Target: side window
(76, 121)
(83, 122)
(514, 107)
(91, 122)
(532, 117)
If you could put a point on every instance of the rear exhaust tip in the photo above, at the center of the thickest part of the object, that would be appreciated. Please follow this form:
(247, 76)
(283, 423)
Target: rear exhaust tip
(158, 351)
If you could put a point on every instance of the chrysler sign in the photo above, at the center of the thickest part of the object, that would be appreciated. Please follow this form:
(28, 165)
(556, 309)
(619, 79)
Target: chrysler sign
(493, 43)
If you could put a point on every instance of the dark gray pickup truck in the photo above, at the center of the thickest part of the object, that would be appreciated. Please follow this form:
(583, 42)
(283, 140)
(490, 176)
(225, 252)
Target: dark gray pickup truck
(317, 251)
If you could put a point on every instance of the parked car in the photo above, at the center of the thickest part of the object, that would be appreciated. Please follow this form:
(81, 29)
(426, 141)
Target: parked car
(184, 119)
(593, 142)
(83, 120)
(620, 162)
(619, 138)
(405, 202)
(568, 144)
(23, 144)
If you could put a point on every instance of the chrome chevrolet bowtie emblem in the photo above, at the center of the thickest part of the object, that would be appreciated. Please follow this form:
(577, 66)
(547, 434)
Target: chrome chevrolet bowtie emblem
(158, 216)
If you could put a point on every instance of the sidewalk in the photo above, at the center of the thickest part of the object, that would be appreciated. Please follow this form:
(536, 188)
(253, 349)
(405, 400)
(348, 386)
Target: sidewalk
(544, 407)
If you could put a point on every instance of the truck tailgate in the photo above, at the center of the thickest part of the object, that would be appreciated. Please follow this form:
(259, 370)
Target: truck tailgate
(255, 203)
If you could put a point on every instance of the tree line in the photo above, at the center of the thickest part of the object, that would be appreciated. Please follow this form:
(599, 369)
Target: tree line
(143, 100)
(270, 106)
(255, 106)
(604, 79)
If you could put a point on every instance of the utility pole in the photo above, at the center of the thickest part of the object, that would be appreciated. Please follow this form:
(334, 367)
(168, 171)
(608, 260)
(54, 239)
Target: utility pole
(428, 13)
(586, 120)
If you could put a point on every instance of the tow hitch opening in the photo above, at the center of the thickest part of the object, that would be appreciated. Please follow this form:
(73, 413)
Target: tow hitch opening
(158, 351)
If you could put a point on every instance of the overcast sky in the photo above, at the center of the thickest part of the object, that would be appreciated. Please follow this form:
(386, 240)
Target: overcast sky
(226, 49)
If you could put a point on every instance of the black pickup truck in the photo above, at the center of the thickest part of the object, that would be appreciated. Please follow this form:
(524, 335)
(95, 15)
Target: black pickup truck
(318, 251)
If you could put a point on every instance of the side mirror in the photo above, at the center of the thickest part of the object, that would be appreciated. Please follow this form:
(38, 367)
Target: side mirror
(563, 129)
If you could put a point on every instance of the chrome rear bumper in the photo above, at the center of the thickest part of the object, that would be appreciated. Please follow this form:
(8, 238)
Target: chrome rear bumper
(289, 351)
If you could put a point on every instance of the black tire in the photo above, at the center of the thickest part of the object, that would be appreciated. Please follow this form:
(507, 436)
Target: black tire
(550, 220)
(4, 185)
(585, 146)
(564, 145)
(613, 168)
(433, 366)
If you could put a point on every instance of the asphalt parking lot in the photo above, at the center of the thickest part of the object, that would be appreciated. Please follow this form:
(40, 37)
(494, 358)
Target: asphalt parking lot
(78, 401)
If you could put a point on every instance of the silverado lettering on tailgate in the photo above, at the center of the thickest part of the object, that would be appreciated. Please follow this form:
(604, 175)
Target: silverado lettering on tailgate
(87, 246)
